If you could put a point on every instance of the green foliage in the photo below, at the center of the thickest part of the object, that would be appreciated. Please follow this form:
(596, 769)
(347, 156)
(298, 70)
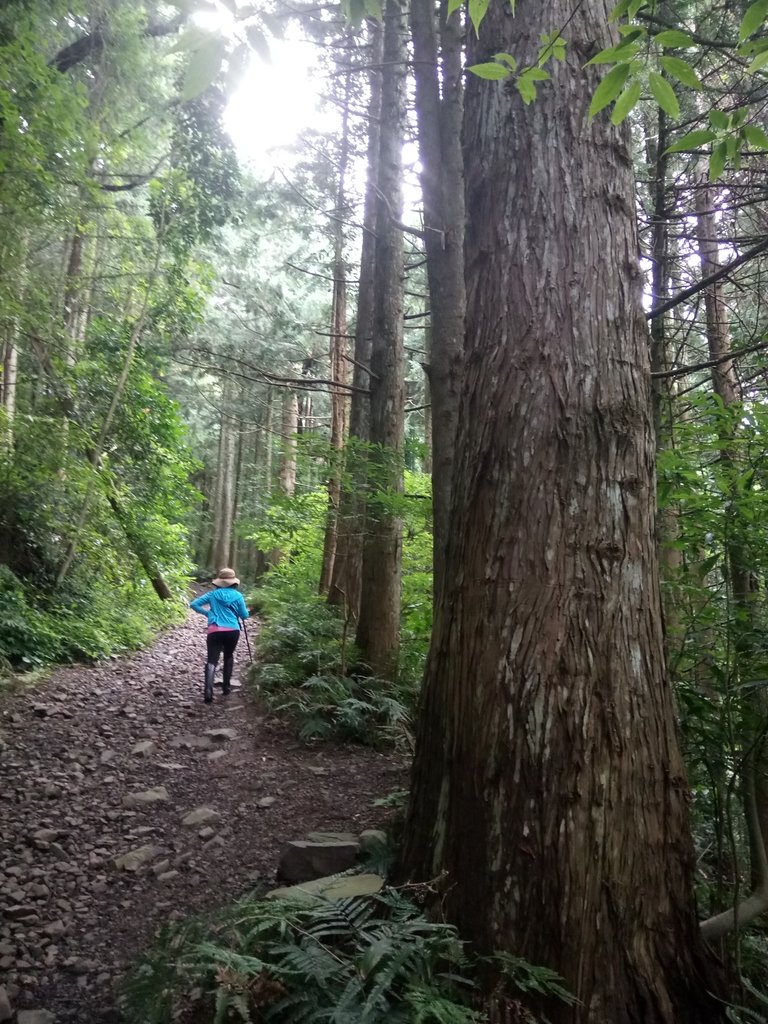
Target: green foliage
(360, 960)
(308, 665)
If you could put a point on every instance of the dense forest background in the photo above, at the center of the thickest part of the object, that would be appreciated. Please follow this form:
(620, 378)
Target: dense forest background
(208, 365)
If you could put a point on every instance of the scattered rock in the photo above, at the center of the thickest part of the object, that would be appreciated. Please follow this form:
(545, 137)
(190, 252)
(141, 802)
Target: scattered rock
(145, 749)
(135, 859)
(107, 755)
(216, 755)
(200, 816)
(6, 1010)
(36, 1017)
(149, 796)
(372, 840)
(221, 735)
(304, 859)
(266, 801)
(193, 742)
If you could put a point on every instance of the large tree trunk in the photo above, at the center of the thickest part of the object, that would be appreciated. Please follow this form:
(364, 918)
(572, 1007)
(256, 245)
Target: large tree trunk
(438, 76)
(548, 786)
(378, 628)
(346, 582)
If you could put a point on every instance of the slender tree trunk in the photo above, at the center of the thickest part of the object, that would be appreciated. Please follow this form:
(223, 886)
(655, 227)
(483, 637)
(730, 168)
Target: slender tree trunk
(338, 362)
(268, 443)
(548, 788)
(437, 72)
(426, 462)
(225, 486)
(10, 366)
(378, 628)
(286, 473)
(346, 582)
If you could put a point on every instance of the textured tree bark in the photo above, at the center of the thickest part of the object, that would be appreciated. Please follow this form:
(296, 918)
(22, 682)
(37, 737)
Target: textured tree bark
(437, 73)
(548, 786)
(338, 362)
(378, 628)
(224, 508)
(286, 473)
(346, 582)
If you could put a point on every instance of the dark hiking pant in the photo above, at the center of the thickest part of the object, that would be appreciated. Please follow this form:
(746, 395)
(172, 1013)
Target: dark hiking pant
(223, 642)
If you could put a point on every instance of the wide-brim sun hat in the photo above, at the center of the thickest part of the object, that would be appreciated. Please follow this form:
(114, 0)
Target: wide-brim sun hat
(226, 578)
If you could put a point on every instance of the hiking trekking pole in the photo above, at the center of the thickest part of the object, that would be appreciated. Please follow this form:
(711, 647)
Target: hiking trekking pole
(247, 641)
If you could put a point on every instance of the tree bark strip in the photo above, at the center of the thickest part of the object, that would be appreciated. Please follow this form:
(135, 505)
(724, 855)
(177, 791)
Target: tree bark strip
(378, 628)
(346, 582)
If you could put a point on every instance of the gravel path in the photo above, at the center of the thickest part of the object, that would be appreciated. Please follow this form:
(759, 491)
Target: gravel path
(106, 761)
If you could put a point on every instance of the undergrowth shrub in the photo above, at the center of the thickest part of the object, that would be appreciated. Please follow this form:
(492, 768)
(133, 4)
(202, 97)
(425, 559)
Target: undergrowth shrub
(359, 960)
(308, 665)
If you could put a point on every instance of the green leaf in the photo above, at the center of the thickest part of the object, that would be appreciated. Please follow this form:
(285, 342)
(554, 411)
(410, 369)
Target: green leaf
(753, 19)
(759, 62)
(626, 102)
(203, 67)
(527, 90)
(719, 120)
(693, 140)
(621, 52)
(717, 161)
(238, 65)
(478, 10)
(507, 59)
(491, 70)
(682, 71)
(664, 94)
(755, 136)
(635, 6)
(609, 88)
(619, 10)
(673, 37)
(258, 42)
(453, 6)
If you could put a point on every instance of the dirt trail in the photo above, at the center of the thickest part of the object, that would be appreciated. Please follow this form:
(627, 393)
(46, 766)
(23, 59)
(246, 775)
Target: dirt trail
(72, 753)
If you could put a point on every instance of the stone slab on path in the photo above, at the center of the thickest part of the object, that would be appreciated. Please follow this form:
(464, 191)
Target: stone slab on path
(335, 887)
(64, 828)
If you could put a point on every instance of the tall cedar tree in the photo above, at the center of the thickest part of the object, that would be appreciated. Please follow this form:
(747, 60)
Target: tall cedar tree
(378, 627)
(548, 786)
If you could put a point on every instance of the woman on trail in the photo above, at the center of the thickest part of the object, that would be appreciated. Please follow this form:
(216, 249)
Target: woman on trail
(224, 607)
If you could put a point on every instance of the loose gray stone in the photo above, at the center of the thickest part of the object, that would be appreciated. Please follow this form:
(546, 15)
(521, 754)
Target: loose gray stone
(200, 816)
(193, 742)
(159, 794)
(222, 735)
(303, 860)
(266, 801)
(145, 749)
(36, 1017)
(6, 1010)
(216, 755)
(372, 840)
(135, 859)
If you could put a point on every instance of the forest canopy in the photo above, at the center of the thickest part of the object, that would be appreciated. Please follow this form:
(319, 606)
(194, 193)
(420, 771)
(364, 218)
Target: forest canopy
(469, 384)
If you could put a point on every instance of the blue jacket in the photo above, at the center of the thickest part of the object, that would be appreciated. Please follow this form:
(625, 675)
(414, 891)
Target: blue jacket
(224, 605)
